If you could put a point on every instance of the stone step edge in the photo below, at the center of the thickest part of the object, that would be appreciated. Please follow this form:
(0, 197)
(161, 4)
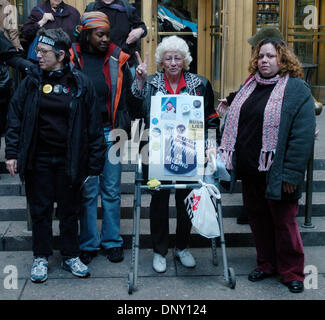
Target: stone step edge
(319, 164)
(17, 238)
(127, 213)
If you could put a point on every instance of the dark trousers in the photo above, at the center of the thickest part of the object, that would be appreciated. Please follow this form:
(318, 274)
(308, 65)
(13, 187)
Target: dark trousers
(159, 221)
(47, 183)
(275, 230)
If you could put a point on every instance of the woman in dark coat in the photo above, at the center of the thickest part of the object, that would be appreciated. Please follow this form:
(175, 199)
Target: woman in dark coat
(106, 66)
(267, 142)
(54, 141)
(53, 14)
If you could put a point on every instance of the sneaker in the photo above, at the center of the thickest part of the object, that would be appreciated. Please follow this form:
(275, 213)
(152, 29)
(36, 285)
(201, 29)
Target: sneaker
(76, 267)
(115, 254)
(87, 256)
(185, 257)
(159, 263)
(39, 270)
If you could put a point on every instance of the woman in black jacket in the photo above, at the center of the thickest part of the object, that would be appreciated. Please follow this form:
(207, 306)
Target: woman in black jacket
(54, 141)
(51, 14)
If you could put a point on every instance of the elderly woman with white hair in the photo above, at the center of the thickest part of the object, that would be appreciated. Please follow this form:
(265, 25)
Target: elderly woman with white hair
(173, 59)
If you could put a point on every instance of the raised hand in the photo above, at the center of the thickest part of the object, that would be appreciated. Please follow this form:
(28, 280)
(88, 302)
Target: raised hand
(141, 71)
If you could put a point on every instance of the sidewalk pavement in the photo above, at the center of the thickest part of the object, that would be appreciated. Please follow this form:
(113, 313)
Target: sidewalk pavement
(108, 280)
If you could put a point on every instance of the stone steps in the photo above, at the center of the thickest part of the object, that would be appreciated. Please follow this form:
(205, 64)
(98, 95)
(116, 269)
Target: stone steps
(15, 237)
(13, 214)
(13, 208)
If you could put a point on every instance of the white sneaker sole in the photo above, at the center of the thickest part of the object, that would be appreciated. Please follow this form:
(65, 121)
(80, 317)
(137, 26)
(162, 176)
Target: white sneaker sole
(159, 271)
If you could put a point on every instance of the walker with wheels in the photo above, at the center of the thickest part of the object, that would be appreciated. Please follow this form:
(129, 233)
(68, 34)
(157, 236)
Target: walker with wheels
(229, 273)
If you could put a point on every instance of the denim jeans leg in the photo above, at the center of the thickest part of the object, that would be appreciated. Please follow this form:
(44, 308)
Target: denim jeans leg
(110, 186)
(89, 236)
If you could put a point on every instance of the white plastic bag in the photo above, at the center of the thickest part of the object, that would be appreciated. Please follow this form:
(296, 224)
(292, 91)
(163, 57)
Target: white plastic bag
(202, 211)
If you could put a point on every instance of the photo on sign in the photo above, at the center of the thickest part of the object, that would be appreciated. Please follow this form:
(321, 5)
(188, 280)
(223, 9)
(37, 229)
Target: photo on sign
(168, 108)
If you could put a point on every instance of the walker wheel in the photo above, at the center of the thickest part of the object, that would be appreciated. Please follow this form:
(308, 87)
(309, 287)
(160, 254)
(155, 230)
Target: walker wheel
(232, 278)
(130, 282)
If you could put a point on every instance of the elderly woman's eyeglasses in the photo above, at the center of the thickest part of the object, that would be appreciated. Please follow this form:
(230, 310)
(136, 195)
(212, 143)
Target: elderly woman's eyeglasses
(42, 52)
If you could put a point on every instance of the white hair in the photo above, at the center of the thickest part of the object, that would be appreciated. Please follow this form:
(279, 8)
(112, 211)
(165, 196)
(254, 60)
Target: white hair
(173, 43)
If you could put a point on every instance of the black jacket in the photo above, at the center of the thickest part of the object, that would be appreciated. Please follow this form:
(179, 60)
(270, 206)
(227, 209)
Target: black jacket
(85, 143)
(117, 70)
(66, 17)
(11, 56)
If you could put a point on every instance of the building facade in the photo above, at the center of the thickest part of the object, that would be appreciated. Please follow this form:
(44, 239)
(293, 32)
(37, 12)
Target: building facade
(217, 33)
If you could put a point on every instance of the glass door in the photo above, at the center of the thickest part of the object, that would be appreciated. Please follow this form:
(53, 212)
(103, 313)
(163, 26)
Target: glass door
(179, 18)
(218, 58)
(188, 19)
(268, 13)
(305, 32)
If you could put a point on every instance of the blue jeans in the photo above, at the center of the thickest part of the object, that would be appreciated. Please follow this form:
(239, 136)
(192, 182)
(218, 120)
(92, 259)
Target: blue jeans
(109, 187)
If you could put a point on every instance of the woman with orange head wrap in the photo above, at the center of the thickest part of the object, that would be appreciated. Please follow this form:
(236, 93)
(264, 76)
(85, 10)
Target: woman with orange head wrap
(106, 65)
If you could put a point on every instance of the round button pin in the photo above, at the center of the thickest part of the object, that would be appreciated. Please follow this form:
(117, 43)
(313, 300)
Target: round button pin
(47, 88)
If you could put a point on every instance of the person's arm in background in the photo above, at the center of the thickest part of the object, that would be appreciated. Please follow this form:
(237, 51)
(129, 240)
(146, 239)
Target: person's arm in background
(15, 118)
(10, 25)
(34, 22)
(11, 56)
(138, 29)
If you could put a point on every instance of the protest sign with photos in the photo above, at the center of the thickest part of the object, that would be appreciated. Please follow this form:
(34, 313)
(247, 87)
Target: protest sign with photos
(176, 143)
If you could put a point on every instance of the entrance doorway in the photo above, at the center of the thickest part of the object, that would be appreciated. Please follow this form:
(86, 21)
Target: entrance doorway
(308, 41)
(190, 19)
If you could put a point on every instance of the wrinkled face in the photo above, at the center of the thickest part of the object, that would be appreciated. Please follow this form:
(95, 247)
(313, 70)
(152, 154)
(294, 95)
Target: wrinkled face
(47, 59)
(268, 65)
(172, 63)
(55, 3)
(99, 39)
